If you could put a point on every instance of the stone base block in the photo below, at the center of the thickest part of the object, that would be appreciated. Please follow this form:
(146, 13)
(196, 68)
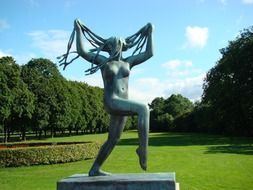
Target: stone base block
(133, 181)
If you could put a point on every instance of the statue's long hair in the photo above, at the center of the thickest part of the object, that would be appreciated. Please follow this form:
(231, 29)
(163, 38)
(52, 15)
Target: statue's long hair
(114, 46)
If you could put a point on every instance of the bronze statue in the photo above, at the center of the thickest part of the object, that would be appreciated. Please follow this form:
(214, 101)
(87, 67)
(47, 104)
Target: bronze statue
(115, 72)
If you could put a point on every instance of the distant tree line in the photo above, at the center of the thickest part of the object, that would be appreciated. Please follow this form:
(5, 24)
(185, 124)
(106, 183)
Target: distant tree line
(35, 97)
(226, 106)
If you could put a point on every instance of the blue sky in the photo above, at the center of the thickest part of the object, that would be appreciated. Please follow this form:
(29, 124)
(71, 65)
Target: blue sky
(187, 38)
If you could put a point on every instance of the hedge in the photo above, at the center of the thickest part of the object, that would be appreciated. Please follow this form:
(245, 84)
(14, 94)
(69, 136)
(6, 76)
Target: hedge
(27, 156)
(36, 144)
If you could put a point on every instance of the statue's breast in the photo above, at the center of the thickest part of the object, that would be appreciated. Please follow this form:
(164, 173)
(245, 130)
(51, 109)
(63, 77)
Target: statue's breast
(116, 70)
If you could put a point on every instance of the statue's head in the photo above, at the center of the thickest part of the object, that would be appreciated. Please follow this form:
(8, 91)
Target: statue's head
(114, 46)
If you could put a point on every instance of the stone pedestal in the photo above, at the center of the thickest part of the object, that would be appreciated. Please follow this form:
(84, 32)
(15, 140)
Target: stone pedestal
(141, 181)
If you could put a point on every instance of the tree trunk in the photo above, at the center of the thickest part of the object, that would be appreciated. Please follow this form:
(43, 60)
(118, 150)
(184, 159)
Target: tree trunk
(5, 134)
(23, 133)
(8, 133)
(52, 132)
(40, 133)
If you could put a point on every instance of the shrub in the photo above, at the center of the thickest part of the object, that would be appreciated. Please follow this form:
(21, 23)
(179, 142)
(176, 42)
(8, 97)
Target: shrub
(47, 154)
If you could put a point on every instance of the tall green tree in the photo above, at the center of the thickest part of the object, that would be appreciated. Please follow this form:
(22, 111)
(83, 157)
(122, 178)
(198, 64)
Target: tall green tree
(48, 86)
(165, 111)
(228, 87)
(16, 101)
(156, 110)
(177, 105)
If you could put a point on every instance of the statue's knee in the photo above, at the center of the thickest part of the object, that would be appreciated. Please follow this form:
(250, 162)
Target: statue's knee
(145, 110)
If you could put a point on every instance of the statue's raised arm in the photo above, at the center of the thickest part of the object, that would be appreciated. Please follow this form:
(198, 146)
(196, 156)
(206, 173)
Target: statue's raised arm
(95, 40)
(143, 37)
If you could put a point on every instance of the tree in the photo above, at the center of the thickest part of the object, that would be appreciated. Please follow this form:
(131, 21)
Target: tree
(177, 105)
(165, 111)
(156, 109)
(47, 84)
(228, 87)
(16, 101)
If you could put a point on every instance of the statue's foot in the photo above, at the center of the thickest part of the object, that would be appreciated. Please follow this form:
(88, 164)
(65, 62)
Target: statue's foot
(142, 158)
(98, 173)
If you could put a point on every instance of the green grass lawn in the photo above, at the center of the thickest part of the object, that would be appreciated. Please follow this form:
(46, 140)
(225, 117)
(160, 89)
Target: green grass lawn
(201, 162)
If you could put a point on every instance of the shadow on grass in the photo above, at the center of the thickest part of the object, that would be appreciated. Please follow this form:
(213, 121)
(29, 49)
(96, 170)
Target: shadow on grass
(235, 149)
(236, 145)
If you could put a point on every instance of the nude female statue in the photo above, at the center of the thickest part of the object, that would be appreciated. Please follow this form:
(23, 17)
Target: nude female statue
(115, 72)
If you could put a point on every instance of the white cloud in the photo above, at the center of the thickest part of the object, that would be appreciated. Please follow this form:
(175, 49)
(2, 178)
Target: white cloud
(51, 43)
(20, 58)
(189, 87)
(3, 24)
(24, 57)
(196, 37)
(178, 69)
(182, 78)
(247, 1)
(146, 89)
(175, 63)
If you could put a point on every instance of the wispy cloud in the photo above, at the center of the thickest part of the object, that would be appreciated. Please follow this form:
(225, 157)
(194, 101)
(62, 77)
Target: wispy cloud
(24, 57)
(179, 69)
(51, 43)
(189, 87)
(175, 63)
(21, 58)
(196, 37)
(3, 24)
(146, 89)
(247, 1)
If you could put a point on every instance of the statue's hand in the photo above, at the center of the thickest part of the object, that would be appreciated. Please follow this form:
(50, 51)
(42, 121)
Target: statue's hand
(77, 24)
(149, 28)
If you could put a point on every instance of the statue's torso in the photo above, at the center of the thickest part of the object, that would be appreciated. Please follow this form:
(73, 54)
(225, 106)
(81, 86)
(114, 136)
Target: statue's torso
(115, 77)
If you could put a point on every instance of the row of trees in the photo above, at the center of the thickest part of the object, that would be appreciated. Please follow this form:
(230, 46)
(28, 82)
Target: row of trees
(36, 97)
(227, 101)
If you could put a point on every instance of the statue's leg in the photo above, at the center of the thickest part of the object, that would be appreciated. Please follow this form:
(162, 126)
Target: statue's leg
(129, 107)
(116, 127)
(143, 129)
